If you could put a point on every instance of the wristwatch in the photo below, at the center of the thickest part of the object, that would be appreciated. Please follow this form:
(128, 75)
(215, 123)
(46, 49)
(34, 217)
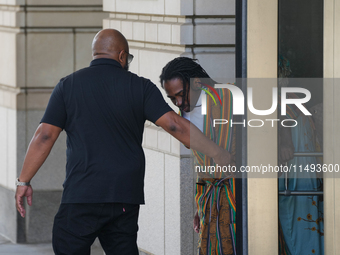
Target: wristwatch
(19, 183)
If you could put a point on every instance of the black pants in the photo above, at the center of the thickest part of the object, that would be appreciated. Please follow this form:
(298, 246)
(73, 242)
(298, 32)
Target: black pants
(76, 226)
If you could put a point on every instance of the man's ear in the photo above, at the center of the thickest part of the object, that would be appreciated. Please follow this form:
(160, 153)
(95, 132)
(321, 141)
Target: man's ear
(121, 57)
(196, 83)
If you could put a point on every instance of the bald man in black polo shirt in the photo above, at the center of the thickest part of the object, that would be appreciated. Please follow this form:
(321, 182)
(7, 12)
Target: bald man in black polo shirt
(103, 109)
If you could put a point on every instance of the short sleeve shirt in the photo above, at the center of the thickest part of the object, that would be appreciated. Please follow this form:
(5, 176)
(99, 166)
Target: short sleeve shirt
(103, 109)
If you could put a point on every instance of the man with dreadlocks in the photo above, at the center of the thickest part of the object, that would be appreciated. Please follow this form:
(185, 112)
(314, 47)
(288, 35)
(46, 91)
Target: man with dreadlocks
(215, 194)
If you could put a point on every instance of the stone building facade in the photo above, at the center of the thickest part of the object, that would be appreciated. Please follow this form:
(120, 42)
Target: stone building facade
(42, 41)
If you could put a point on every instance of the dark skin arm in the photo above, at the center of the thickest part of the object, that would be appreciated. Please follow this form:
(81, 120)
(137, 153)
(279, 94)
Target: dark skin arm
(193, 138)
(38, 150)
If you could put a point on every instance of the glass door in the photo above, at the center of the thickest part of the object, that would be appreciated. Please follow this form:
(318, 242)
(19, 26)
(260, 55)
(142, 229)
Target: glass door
(300, 148)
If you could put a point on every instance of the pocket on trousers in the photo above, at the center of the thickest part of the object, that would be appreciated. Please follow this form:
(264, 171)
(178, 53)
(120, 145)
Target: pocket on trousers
(82, 219)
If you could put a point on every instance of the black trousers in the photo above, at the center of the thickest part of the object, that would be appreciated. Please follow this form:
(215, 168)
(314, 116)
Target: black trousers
(76, 226)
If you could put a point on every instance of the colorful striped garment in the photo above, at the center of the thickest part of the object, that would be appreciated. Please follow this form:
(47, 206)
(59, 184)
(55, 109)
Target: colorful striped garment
(215, 192)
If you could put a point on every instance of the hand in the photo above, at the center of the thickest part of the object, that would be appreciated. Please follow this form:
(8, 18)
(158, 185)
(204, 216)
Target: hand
(224, 158)
(196, 222)
(23, 191)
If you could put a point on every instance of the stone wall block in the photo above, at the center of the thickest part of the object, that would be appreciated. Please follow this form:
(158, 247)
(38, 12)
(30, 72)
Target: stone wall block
(109, 5)
(172, 205)
(137, 6)
(7, 60)
(3, 144)
(151, 217)
(211, 32)
(151, 32)
(164, 33)
(138, 30)
(164, 142)
(59, 18)
(127, 29)
(151, 137)
(175, 146)
(215, 7)
(45, 67)
(63, 2)
(83, 54)
(116, 24)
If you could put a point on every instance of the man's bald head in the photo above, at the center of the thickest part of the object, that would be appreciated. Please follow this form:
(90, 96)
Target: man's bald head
(108, 43)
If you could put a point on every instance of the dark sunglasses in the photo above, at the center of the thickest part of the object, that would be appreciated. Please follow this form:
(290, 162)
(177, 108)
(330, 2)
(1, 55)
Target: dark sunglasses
(130, 57)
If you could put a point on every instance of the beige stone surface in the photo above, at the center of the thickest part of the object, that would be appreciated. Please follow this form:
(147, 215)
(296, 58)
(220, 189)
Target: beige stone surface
(116, 24)
(63, 2)
(7, 60)
(59, 18)
(210, 32)
(170, 19)
(176, 34)
(14, 2)
(10, 18)
(151, 236)
(137, 6)
(187, 7)
(175, 146)
(151, 32)
(138, 29)
(45, 67)
(164, 33)
(157, 18)
(11, 148)
(172, 7)
(35, 100)
(109, 5)
(20, 60)
(8, 147)
(144, 17)
(132, 16)
(106, 23)
(187, 33)
(151, 137)
(218, 7)
(331, 64)
(83, 49)
(3, 146)
(126, 29)
(262, 193)
(172, 201)
(164, 141)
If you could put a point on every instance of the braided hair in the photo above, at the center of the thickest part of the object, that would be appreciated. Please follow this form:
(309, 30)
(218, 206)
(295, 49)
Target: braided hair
(184, 68)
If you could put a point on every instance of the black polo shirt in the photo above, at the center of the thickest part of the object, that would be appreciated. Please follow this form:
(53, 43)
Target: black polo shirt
(103, 109)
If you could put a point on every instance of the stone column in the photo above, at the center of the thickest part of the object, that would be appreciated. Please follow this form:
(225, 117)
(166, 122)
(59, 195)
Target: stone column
(158, 31)
(40, 42)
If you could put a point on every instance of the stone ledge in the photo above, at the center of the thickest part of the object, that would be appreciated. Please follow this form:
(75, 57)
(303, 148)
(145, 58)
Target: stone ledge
(4, 240)
(144, 252)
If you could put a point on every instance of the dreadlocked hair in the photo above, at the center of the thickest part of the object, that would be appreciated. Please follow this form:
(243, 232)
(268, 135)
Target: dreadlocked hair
(183, 68)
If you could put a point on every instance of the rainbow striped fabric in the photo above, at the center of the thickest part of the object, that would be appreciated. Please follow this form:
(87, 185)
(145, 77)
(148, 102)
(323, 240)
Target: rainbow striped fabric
(215, 194)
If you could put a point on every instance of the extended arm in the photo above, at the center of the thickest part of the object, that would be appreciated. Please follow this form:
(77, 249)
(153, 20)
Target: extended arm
(38, 150)
(192, 137)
